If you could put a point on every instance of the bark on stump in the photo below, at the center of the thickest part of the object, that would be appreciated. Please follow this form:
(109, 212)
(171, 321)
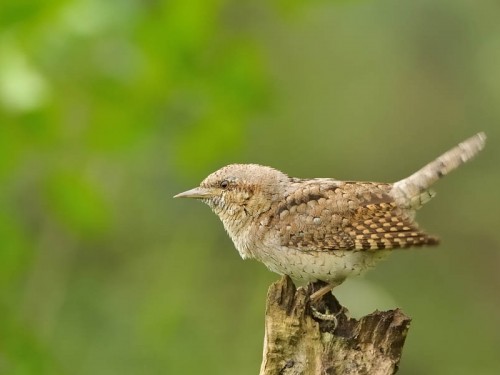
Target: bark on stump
(297, 343)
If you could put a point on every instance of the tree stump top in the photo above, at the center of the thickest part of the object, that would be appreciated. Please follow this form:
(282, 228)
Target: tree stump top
(298, 343)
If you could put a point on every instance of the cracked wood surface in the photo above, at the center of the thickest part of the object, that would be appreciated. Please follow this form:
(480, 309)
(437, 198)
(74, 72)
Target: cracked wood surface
(297, 343)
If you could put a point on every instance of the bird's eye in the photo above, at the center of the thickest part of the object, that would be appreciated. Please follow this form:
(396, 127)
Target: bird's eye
(224, 184)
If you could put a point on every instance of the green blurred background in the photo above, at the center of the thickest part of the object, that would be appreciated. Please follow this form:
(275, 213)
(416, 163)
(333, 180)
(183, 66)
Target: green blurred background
(109, 108)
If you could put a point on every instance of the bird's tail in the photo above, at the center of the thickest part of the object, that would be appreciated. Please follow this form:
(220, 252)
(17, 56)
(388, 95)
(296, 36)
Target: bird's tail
(414, 191)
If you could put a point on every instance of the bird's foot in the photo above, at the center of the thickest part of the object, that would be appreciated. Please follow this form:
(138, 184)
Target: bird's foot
(321, 304)
(325, 316)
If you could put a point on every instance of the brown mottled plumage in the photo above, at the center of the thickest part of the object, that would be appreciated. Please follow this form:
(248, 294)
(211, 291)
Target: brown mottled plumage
(322, 228)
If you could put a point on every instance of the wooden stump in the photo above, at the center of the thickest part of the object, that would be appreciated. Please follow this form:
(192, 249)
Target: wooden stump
(295, 342)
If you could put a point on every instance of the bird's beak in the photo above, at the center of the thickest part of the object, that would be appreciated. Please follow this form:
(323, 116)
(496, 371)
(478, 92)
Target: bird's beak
(198, 193)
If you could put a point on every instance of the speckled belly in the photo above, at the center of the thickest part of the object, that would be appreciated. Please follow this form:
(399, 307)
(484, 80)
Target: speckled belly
(309, 266)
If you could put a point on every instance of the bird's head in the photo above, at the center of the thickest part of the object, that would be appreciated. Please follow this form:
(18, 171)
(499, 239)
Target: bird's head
(239, 190)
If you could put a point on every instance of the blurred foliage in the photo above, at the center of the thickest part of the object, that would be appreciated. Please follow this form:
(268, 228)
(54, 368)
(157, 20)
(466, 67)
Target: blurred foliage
(107, 109)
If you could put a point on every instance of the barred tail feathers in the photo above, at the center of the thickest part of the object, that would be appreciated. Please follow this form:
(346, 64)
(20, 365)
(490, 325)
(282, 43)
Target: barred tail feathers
(414, 190)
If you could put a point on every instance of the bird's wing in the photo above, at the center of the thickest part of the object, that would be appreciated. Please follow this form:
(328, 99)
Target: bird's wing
(346, 216)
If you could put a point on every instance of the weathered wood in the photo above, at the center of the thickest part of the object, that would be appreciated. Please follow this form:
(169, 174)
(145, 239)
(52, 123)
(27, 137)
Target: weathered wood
(297, 343)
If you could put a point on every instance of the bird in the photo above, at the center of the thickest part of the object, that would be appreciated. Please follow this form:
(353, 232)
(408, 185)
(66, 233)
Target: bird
(323, 229)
